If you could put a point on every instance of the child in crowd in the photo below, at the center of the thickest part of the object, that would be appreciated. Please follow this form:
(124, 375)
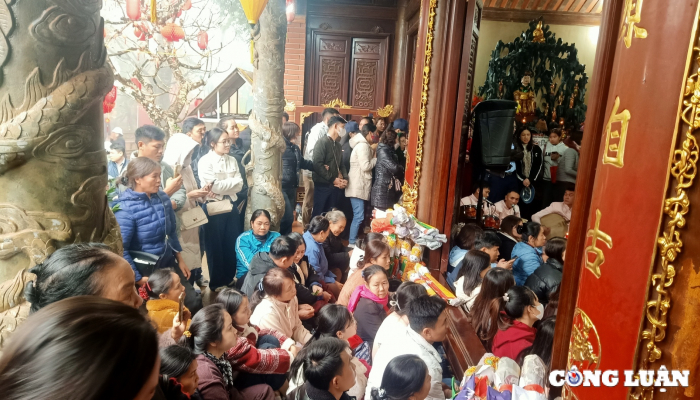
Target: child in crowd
(515, 331)
(369, 302)
(376, 253)
(275, 305)
(472, 269)
(178, 367)
(496, 283)
(317, 232)
(337, 254)
(281, 254)
(397, 321)
(406, 377)
(261, 355)
(164, 289)
(336, 321)
(211, 335)
(327, 369)
(359, 252)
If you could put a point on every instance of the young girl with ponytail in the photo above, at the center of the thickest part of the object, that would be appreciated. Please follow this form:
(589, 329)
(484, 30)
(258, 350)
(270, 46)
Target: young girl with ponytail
(397, 321)
(210, 336)
(164, 289)
(528, 251)
(376, 253)
(261, 355)
(519, 309)
(336, 321)
(406, 377)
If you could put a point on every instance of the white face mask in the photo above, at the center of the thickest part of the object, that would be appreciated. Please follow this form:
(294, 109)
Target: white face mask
(540, 309)
(341, 132)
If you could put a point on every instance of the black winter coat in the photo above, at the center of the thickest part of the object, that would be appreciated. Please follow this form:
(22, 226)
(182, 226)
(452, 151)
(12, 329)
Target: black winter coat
(347, 151)
(535, 169)
(384, 195)
(292, 162)
(304, 292)
(238, 152)
(336, 253)
(545, 279)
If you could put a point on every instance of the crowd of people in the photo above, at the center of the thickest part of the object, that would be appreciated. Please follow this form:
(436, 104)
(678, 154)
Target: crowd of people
(295, 313)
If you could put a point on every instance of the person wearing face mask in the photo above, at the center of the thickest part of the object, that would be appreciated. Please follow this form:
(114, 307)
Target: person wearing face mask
(519, 309)
(330, 176)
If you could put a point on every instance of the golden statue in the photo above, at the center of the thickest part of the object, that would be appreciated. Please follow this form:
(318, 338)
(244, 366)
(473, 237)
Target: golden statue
(574, 96)
(525, 97)
(538, 34)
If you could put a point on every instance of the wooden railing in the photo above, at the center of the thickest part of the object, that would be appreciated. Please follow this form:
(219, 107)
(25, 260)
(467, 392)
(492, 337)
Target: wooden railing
(462, 346)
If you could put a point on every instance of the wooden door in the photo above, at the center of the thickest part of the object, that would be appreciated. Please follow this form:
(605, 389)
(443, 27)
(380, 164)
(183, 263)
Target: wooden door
(350, 68)
(368, 83)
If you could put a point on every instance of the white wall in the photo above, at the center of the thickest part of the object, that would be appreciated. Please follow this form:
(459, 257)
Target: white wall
(585, 38)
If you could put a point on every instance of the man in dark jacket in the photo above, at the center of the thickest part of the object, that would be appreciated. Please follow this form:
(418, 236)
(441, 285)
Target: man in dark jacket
(281, 255)
(329, 176)
(547, 277)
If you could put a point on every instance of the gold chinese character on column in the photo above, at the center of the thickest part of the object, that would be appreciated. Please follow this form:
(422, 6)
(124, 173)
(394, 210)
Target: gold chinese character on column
(597, 234)
(628, 23)
(614, 152)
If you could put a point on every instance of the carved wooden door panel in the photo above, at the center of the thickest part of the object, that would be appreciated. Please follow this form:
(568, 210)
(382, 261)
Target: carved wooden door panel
(369, 64)
(332, 68)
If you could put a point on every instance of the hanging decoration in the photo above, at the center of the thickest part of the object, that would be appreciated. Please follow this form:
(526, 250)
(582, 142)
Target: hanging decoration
(133, 9)
(110, 100)
(187, 5)
(203, 40)
(140, 32)
(253, 9)
(291, 10)
(172, 32)
(543, 75)
(136, 82)
(154, 12)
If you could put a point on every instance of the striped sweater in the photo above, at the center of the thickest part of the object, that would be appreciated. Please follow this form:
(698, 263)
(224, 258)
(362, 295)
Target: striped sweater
(244, 356)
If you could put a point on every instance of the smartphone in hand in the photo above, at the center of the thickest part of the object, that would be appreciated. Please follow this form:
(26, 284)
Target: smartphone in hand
(180, 306)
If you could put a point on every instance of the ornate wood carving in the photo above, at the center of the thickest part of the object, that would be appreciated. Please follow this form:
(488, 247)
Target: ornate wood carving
(365, 83)
(333, 45)
(331, 79)
(368, 48)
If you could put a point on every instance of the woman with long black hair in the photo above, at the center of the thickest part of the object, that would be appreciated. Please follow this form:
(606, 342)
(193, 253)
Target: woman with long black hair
(527, 169)
(221, 174)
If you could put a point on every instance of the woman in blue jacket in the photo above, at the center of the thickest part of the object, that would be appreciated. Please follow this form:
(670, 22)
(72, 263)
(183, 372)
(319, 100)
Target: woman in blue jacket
(528, 251)
(147, 221)
(318, 230)
(258, 239)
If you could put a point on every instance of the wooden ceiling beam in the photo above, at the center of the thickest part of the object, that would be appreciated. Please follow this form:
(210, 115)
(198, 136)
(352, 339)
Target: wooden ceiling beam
(568, 5)
(493, 3)
(557, 5)
(550, 17)
(579, 6)
(534, 6)
(591, 5)
(544, 7)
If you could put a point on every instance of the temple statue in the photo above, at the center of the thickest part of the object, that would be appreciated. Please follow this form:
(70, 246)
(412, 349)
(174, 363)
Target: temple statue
(267, 143)
(53, 173)
(525, 96)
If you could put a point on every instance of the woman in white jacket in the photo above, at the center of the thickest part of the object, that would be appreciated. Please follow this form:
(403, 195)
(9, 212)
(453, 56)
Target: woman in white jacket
(362, 161)
(178, 154)
(219, 173)
(275, 305)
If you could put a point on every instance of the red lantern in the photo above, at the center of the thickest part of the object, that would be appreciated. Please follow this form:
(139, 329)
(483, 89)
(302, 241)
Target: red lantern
(136, 83)
(133, 9)
(291, 10)
(172, 32)
(187, 5)
(203, 40)
(110, 100)
(197, 102)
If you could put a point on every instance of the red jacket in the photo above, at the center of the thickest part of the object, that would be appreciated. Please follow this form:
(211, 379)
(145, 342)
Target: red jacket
(244, 356)
(512, 341)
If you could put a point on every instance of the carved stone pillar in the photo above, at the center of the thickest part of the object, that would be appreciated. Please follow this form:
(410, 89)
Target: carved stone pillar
(53, 177)
(267, 144)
